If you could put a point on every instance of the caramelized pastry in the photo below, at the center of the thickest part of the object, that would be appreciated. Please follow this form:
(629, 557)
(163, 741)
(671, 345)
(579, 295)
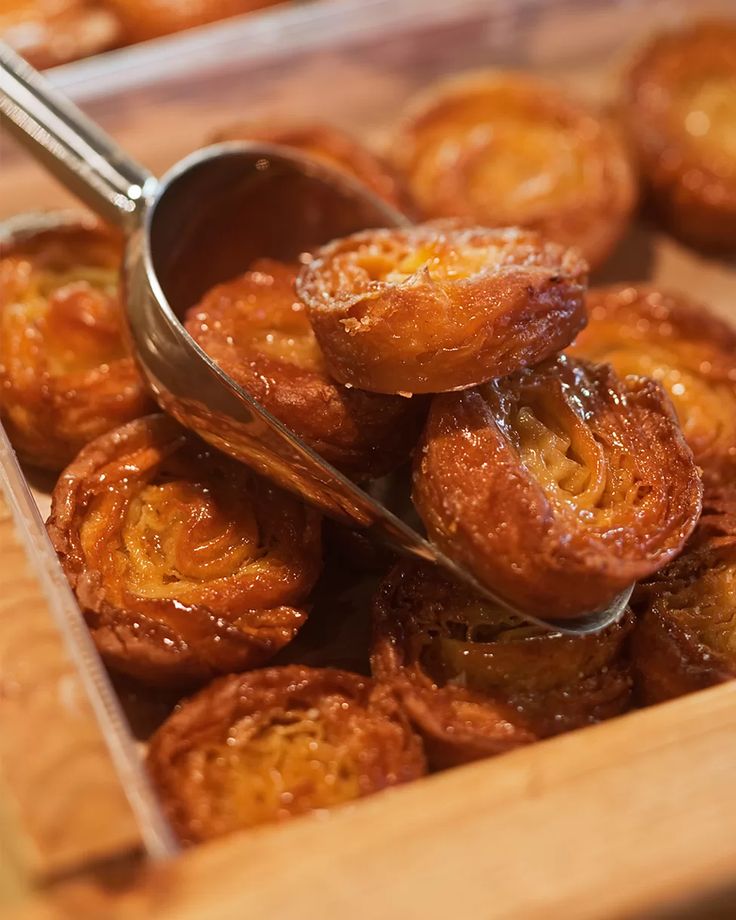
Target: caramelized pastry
(436, 307)
(65, 372)
(52, 33)
(257, 330)
(185, 564)
(559, 486)
(684, 347)
(680, 108)
(273, 744)
(145, 19)
(325, 143)
(501, 149)
(476, 681)
(685, 639)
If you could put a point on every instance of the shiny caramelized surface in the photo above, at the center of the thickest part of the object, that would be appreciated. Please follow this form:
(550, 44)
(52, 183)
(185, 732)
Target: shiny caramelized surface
(171, 520)
(50, 33)
(506, 149)
(478, 680)
(183, 549)
(557, 486)
(561, 421)
(65, 371)
(258, 315)
(682, 346)
(256, 328)
(707, 109)
(440, 307)
(267, 746)
(145, 19)
(680, 109)
(686, 638)
(685, 82)
(459, 638)
(440, 253)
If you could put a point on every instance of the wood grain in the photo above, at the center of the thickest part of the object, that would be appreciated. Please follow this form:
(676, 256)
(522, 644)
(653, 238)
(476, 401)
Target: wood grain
(633, 818)
(613, 821)
(54, 763)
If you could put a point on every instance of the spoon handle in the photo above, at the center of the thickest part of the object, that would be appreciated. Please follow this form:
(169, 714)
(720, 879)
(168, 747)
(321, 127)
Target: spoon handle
(75, 150)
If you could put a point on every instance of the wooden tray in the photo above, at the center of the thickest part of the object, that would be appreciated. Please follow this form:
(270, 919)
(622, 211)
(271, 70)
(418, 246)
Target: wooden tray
(634, 817)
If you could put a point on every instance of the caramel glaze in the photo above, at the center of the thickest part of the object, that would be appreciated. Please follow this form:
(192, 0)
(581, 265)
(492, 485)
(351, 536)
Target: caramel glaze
(324, 142)
(141, 20)
(438, 307)
(276, 743)
(686, 636)
(257, 330)
(476, 681)
(50, 34)
(501, 148)
(185, 564)
(559, 486)
(679, 105)
(66, 375)
(688, 350)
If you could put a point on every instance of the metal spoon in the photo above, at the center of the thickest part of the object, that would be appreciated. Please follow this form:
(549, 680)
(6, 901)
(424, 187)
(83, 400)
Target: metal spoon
(202, 223)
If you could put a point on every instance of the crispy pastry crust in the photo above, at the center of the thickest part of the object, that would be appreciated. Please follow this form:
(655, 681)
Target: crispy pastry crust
(501, 149)
(680, 108)
(683, 346)
(559, 486)
(145, 19)
(477, 682)
(185, 564)
(438, 307)
(257, 330)
(328, 144)
(685, 639)
(273, 744)
(65, 372)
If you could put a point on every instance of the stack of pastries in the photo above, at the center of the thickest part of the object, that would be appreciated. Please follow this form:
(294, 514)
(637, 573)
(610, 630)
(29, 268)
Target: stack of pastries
(563, 442)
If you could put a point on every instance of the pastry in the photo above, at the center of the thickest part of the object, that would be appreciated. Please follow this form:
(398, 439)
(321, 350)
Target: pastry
(273, 744)
(185, 564)
(437, 307)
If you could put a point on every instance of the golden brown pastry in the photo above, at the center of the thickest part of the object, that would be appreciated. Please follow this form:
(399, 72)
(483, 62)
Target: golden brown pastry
(437, 307)
(66, 375)
(559, 486)
(506, 149)
(476, 681)
(145, 19)
(52, 32)
(185, 564)
(685, 639)
(324, 142)
(680, 108)
(680, 344)
(257, 330)
(273, 744)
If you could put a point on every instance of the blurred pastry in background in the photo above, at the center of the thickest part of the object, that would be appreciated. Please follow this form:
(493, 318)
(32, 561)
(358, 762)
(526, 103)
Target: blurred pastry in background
(679, 105)
(327, 143)
(502, 148)
(144, 19)
(52, 32)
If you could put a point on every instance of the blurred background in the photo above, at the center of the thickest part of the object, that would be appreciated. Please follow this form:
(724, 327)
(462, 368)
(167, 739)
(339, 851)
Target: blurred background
(53, 32)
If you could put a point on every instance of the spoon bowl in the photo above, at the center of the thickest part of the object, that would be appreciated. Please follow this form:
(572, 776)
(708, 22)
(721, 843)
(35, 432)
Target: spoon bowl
(204, 222)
